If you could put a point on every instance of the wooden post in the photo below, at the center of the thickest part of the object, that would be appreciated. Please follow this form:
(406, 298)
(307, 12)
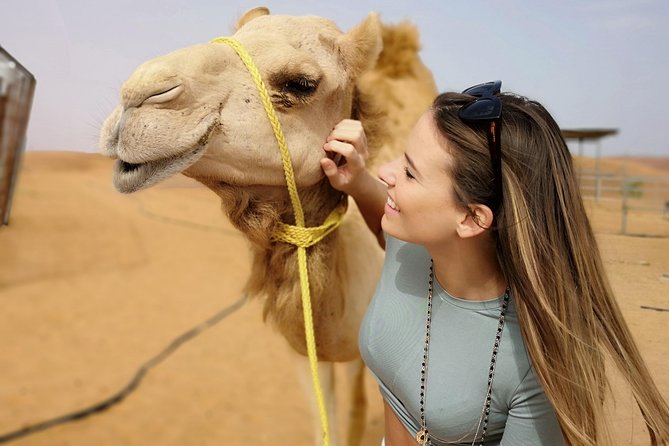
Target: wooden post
(598, 180)
(623, 222)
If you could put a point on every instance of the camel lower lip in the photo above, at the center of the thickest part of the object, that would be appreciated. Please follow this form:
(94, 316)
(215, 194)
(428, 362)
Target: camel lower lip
(131, 177)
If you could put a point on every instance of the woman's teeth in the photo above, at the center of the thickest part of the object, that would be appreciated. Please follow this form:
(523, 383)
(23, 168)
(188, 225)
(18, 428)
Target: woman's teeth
(392, 204)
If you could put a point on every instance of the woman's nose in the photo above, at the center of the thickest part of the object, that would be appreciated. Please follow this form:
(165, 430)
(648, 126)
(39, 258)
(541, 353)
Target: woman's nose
(387, 173)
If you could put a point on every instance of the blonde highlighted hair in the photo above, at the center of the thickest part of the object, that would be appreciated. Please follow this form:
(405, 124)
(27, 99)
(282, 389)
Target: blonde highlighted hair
(569, 317)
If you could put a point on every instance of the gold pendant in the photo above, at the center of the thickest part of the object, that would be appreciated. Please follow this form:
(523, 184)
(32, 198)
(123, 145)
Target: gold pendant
(421, 436)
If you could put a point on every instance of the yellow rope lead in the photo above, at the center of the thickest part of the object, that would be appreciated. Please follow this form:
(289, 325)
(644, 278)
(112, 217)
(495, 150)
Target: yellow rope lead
(297, 235)
(274, 121)
(306, 237)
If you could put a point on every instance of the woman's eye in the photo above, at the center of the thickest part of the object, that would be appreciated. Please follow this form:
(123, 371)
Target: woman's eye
(409, 174)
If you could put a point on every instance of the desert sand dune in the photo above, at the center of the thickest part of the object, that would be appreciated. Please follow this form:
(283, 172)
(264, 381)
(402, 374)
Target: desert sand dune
(94, 283)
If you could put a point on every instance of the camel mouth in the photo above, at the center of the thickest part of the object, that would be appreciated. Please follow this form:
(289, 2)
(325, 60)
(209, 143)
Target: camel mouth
(131, 177)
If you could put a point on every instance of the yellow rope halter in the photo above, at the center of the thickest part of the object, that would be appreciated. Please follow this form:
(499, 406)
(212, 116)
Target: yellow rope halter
(298, 234)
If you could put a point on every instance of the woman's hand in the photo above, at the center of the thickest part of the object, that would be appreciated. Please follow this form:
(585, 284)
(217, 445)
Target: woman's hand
(346, 140)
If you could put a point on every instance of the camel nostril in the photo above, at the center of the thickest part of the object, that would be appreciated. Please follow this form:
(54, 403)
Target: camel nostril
(165, 95)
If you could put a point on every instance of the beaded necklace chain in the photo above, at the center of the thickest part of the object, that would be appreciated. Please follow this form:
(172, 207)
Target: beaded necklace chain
(423, 435)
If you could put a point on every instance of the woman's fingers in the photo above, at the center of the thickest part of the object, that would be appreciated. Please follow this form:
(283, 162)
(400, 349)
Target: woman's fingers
(350, 131)
(345, 149)
(337, 176)
(346, 140)
(329, 167)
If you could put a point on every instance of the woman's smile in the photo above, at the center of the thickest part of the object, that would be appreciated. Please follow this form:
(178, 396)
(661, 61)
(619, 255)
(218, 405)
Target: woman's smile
(391, 204)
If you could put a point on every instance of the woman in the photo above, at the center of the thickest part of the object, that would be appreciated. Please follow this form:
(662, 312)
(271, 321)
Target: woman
(493, 318)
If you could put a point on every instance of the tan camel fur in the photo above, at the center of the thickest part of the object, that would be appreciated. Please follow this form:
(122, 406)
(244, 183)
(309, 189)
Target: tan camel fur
(197, 111)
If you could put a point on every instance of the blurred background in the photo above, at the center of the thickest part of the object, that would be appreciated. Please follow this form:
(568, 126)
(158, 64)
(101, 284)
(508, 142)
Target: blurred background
(599, 63)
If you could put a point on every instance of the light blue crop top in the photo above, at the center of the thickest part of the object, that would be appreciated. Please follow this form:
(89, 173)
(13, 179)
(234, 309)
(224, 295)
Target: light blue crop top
(462, 334)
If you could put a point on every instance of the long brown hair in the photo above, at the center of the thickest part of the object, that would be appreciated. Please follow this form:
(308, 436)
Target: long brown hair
(569, 317)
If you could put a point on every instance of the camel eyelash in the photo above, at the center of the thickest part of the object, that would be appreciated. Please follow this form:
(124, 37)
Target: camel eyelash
(294, 90)
(283, 100)
(299, 86)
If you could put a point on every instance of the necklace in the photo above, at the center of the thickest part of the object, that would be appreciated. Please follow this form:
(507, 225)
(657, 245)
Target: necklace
(423, 435)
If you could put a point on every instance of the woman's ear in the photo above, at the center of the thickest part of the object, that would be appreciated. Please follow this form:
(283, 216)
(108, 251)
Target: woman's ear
(475, 220)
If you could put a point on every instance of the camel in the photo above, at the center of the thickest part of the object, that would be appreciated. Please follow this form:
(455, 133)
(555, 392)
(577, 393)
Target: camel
(196, 111)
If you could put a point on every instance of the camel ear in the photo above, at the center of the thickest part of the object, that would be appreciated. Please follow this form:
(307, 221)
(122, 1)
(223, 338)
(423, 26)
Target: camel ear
(250, 15)
(361, 46)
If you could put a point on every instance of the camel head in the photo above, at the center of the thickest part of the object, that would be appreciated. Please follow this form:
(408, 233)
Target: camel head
(197, 110)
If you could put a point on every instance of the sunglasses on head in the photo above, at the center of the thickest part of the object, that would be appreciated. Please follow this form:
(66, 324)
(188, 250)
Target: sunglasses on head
(487, 107)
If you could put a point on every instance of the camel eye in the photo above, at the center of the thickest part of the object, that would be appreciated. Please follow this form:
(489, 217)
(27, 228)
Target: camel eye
(165, 95)
(293, 88)
(300, 86)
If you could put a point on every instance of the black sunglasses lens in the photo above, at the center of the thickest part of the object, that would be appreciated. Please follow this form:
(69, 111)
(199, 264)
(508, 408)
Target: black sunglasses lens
(482, 109)
(487, 89)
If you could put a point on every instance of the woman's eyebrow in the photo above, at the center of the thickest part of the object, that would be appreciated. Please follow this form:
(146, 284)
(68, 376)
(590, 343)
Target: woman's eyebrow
(411, 163)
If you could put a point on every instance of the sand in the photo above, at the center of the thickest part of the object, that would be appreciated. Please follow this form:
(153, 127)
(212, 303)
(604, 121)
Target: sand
(94, 283)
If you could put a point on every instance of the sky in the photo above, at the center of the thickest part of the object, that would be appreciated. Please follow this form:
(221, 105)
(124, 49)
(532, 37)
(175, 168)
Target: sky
(593, 64)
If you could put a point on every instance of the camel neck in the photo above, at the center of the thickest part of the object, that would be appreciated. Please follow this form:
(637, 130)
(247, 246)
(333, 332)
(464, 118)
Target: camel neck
(255, 210)
(274, 272)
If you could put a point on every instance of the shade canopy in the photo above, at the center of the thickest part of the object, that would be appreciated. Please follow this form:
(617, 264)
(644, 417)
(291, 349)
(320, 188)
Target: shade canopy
(583, 134)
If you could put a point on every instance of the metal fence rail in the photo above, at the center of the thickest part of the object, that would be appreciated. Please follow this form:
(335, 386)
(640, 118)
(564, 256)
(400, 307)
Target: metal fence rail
(632, 205)
(17, 86)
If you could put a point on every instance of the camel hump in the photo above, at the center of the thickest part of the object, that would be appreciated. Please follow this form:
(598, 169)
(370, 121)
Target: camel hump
(395, 93)
(401, 45)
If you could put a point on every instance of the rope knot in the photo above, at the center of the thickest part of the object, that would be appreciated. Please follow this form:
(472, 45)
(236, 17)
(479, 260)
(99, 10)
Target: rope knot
(305, 237)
